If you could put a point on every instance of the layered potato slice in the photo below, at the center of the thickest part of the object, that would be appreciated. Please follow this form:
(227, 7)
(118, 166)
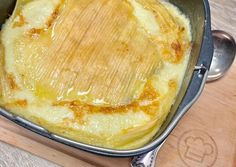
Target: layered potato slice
(97, 59)
(102, 72)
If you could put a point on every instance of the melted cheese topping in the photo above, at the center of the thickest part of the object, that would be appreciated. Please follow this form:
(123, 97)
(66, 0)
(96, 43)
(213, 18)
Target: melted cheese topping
(100, 72)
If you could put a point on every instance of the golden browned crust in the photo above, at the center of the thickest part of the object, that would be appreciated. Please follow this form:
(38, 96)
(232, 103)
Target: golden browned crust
(99, 53)
(148, 103)
(19, 23)
(12, 83)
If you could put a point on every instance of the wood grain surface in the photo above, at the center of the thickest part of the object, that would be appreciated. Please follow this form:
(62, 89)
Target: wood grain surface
(205, 137)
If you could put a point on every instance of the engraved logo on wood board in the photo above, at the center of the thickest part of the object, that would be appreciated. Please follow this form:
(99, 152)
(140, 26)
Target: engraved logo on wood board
(197, 148)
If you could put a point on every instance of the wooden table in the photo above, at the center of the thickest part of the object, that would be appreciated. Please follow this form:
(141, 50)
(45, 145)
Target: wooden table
(206, 136)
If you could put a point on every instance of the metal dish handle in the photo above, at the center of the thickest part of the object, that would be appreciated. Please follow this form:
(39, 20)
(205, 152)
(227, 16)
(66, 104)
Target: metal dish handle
(146, 160)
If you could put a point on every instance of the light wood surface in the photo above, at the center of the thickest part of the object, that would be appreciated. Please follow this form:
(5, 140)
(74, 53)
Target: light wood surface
(206, 136)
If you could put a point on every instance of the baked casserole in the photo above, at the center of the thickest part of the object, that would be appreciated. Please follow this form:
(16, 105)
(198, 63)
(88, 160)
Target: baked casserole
(102, 72)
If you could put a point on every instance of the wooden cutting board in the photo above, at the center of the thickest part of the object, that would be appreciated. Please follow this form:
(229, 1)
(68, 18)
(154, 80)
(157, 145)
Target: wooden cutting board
(205, 137)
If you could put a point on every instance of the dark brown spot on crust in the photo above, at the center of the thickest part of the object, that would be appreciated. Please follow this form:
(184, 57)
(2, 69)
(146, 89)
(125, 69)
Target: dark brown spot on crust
(149, 93)
(53, 16)
(34, 32)
(18, 103)
(19, 23)
(181, 29)
(178, 50)
(173, 84)
(12, 82)
(22, 103)
(176, 46)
